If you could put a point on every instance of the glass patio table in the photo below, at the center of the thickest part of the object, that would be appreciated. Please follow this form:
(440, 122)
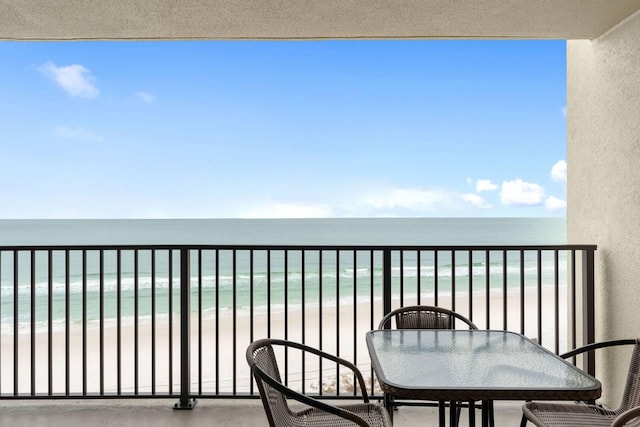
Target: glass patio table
(472, 365)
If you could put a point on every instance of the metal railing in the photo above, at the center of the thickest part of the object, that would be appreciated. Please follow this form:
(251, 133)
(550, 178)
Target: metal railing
(174, 321)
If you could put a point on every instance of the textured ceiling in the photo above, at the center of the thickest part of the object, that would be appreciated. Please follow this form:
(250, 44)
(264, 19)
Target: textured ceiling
(309, 19)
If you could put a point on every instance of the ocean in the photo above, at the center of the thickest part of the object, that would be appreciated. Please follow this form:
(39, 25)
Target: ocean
(268, 279)
(340, 231)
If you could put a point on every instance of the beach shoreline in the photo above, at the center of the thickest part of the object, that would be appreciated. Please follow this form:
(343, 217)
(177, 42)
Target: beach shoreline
(336, 329)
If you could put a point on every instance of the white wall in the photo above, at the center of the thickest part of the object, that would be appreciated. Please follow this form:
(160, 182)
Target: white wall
(603, 156)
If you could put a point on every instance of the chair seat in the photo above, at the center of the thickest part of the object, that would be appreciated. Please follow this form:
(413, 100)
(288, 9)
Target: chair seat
(568, 414)
(554, 414)
(373, 414)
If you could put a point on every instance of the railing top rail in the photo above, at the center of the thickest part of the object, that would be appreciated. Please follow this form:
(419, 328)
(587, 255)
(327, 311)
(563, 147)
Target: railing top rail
(314, 247)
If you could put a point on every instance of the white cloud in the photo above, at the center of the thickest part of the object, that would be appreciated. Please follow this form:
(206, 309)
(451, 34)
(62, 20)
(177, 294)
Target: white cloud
(76, 134)
(521, 193)
(555, 204)
(146, 97)
(475, 200)
(559, 171)
(485, 185)
(412, 201)
(290, 210)
(74, 79)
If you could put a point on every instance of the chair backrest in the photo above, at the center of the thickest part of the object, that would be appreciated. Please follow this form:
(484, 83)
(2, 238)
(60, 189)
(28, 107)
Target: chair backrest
(262, 360)
(631, 396)
(424, 317)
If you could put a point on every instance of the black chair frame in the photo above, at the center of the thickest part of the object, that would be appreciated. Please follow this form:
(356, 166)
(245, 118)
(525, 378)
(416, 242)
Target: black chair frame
(291, 394)
(625, 416)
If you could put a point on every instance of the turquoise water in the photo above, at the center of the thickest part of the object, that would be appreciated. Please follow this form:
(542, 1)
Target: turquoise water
(268, 281)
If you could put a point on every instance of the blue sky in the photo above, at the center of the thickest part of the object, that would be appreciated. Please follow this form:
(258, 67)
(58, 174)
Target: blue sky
(222, 129)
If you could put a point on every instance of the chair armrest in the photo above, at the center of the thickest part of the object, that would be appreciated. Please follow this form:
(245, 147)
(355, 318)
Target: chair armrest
(626, 416)
(594, 346)
(307, 400)
(331, 357)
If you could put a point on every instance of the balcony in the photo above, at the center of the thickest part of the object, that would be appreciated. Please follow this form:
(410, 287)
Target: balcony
(602, 97)
(148, 327)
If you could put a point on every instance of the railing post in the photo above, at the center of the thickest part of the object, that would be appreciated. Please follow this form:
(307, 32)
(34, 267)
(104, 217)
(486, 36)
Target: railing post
(185, 334)
(386, 283)
(588, 307)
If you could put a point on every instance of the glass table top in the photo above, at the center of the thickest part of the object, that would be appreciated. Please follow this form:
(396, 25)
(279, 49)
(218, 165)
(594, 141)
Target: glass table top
(496, 362)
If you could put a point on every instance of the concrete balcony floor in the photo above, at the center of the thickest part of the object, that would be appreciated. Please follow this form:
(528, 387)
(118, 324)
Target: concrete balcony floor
(208, 412)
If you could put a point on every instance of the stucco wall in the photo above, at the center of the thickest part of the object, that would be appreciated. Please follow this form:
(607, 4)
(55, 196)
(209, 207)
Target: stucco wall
(603, 156)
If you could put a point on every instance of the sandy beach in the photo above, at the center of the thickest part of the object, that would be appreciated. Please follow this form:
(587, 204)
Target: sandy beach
(215, 371)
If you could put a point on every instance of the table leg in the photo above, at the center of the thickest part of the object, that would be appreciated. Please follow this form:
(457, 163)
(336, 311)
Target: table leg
(441, 414)
(472, 414)
(491, 414)
(388, 405)
(453, 413)
(485, 413)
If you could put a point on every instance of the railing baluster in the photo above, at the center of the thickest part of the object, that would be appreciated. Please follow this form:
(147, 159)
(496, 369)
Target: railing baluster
(170, 296)
(185, 333)
(371, 308)
(470, 268)
(522, 295)
(234, 255)
(136, 331)
(217, 343)
(1, 299)
(355, 311)
(16, 315)
(268, 293)
(153, 321)
(436, 274)
(504, 289)
(200, 321)
(251, 312)
(337, 320)
(33, 322)
(419, 275)
(286, 314)
(337, 302)
(539, 289)
(573, 325)
(303, 285)
(386, 282)
(320, 283)
(67, 322)
(487, 274)
(453, 280)
(588, 307)
(402, 278)
(372, 288)
(101, 279)
(119, 321)
(84, 322)
(556, 298)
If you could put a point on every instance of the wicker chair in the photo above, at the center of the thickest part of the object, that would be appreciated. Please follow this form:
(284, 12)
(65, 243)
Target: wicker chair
(274, 394)
(582, 414)
(428, 317)
(424, 317)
